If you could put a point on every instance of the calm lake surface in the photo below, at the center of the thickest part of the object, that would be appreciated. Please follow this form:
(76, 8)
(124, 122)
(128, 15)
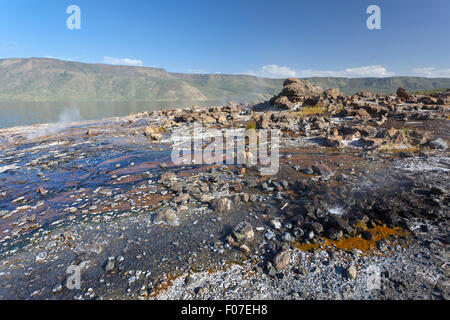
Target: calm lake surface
(15, 113)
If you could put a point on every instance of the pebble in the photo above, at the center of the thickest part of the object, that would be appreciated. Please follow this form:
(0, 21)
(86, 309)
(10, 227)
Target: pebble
(269, 235)
(41, 256)
(282, 259)
(351, 273)
(275, 223)
(244, 231)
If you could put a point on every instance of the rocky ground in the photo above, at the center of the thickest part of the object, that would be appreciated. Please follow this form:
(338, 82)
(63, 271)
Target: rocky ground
(359, 208)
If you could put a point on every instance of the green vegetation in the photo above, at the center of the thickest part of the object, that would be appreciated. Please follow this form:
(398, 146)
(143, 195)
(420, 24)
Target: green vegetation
(311, 111)
(382, 85)
(38, 79)
(251, 125)
(430, 91)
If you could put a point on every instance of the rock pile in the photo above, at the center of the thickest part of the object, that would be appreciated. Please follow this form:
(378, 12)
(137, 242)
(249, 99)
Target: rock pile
(296, 92)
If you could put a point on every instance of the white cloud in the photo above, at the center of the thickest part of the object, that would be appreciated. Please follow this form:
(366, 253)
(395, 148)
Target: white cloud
(431, 72)
(274, 71)
(358, 72)
(196, 71)
(123, 61)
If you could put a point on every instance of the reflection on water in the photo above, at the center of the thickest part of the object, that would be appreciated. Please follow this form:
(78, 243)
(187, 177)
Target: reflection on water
(24, 113)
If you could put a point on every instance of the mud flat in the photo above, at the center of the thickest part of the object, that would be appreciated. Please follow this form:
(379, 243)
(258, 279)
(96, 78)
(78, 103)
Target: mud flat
(359, 208)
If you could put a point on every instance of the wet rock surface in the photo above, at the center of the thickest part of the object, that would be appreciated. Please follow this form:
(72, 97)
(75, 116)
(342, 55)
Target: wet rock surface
(359, 208)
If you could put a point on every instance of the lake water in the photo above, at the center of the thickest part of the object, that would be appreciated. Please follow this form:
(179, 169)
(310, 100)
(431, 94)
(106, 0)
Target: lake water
(15, 113)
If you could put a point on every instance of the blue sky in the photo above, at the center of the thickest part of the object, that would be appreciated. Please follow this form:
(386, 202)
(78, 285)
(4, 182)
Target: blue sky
(266, 38)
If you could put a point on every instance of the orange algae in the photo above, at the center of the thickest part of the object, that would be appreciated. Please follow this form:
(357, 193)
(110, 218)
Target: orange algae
(168, 282)
(350, 243)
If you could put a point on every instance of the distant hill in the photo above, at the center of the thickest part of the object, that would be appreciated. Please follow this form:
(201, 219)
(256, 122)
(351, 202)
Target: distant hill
(382, 85)
(39, 79)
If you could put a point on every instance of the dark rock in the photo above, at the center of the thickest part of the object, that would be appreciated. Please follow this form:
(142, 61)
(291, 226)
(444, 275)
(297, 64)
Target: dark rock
(367, 235)
(339, 223)
(316, 227)
(307, 170)
(322, 170)
(402, 94)
(335, 234)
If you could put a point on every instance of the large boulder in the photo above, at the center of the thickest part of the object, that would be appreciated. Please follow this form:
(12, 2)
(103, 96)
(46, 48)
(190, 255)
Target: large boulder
(332, 94)
(294, 92)
(402, 94)
(366, 95)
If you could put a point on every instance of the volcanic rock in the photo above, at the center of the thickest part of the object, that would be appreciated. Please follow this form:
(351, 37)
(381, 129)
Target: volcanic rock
(438, 144)
(244, 231)
(166, 216)
(294, 92)
(282, 259)
(222, 205)
(402, 94)
(339, 223)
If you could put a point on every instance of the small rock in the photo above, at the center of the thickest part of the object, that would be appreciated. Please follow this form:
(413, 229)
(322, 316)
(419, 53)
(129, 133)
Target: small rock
(275, 223)
(176, 187)
(166, 216)
(339, 223)
(307, 170)
(272, 271)
(223, 205)
(439, 143)
(110, 265)
(282, 259)
(244, 231)
(188, 280)
(205, 198)
(230, 240)
(287, 237)
(168, 178)
(57, 288)
(42, 191)
(244, 248)
(269, 235)
(182, 197)
(351, 273)
(367, 235)
(362, 113)
(41, 256)
(201, 290)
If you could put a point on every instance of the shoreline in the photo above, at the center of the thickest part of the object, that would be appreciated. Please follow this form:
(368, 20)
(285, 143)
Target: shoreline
(361, 186)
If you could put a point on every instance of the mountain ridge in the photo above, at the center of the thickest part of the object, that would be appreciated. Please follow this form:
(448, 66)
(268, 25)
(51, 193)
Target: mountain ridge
(46, 79)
